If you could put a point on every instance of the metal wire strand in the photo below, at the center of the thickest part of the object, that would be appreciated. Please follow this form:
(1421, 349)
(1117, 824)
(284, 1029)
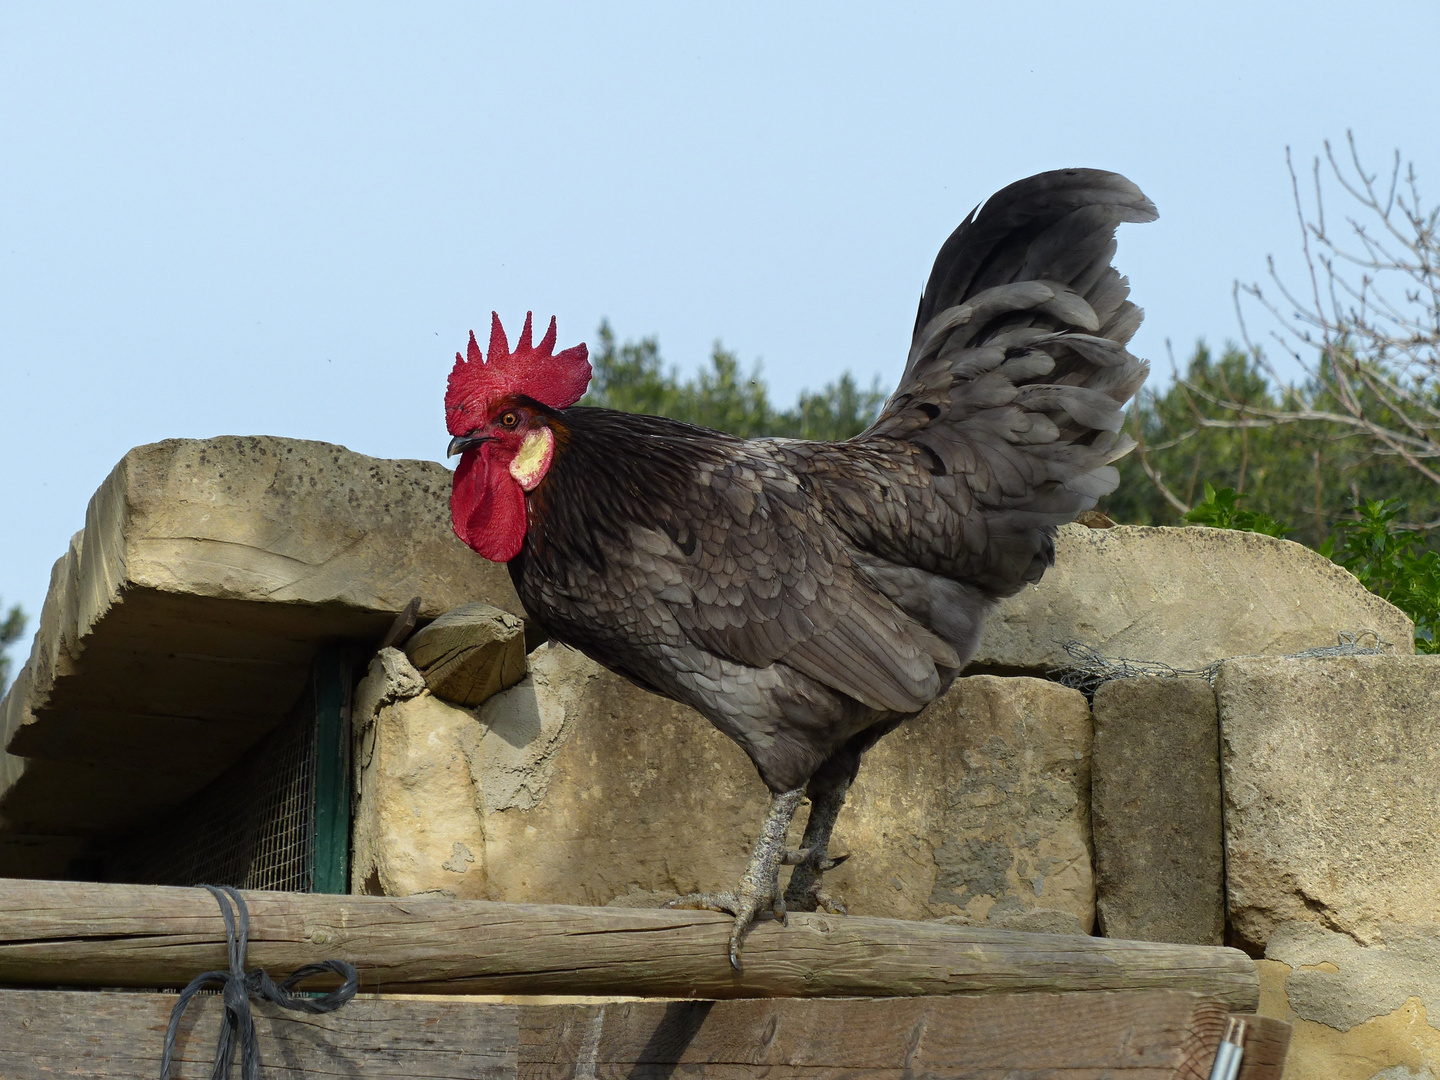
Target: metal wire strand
(1088, 670)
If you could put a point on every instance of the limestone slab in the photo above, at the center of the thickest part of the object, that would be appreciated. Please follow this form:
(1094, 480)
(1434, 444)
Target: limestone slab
(1332, 792)
(1156, 811)
(181, 623)
(470, 654)
(584, 789)
(1182, 596)
(416, 821)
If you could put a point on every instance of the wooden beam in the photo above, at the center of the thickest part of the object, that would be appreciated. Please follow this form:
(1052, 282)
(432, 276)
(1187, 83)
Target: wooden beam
(81, 934)
(1137, 1035)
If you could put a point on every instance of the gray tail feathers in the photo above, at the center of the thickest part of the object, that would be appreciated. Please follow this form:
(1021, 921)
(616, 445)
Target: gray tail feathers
(1018, 374)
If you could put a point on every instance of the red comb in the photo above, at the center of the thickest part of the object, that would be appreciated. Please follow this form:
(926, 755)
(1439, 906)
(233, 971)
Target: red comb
(557, 380)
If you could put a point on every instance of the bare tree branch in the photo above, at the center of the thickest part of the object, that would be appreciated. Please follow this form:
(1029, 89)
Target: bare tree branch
(1367, 334)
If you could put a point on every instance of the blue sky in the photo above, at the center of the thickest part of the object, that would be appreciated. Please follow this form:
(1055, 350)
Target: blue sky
(283, 218)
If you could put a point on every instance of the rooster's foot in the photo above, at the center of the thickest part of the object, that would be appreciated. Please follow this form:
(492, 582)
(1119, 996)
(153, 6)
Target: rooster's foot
(759, 889)
(804, 893)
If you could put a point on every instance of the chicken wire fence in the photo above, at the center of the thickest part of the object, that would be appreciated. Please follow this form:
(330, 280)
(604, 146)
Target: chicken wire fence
(1089, 669)
(268, 822)
(253, 828)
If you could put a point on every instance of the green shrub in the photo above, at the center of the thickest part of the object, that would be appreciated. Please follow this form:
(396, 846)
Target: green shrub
(1388, 559)
(1393, 563)
(1222, 510)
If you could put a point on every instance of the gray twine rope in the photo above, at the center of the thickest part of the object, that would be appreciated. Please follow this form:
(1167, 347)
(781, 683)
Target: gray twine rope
(239, 986)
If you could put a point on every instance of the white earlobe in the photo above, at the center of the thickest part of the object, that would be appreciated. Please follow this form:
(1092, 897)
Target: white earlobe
(530, 465)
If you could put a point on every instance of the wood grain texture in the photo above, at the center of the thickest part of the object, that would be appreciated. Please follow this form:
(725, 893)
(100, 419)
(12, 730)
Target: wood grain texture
(1266, 1041)
(1265, 1048)
(82, 934)
(52, 1033)
(1135, 1035)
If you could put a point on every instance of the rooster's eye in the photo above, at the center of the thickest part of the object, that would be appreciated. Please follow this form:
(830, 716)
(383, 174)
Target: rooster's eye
(509, 420)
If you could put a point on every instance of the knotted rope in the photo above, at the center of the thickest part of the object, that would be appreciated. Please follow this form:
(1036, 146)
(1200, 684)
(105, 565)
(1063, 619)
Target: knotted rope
(239, 986)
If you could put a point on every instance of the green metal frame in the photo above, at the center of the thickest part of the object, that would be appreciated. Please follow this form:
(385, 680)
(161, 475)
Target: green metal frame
(332, 771)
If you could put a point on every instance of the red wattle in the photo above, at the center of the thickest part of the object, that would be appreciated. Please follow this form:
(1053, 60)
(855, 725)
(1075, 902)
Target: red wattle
(487, 507)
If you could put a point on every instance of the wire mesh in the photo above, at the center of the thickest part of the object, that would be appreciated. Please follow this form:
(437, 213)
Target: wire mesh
(1088, 669)
(253, 827)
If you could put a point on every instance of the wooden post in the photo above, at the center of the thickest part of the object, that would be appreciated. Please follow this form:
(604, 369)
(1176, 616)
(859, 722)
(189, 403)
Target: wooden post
(81, 934)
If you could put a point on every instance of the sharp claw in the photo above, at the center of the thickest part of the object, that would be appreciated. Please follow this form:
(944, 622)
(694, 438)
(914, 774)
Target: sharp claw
(805, 856)
(726, 903)
(737, 938)
(759, 886)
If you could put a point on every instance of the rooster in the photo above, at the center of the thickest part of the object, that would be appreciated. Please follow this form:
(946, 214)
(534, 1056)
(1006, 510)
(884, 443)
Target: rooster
(807, 597)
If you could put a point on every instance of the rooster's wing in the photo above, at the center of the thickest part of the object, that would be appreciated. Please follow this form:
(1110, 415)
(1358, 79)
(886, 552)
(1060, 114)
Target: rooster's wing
(728, 589)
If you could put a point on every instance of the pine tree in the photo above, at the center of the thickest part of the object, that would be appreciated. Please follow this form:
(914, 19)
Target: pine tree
(633, 378)
(11, 628)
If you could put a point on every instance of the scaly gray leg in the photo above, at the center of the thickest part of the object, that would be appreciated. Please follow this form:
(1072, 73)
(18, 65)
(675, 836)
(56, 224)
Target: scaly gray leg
(804, 892)
(760, 885)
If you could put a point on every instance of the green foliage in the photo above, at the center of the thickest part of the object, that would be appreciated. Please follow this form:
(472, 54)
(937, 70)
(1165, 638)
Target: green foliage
(1393, 563)
(1208, 458)
(11, 627)
(633, 378)
(1308, 474)
(1222, 510)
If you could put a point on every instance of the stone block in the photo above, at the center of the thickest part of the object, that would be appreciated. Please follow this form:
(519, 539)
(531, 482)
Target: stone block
(1182, 596)
(470, 654)
(584, 789)
(1155, 807)
(1331, 774)
(181, 623)
(978, 808)
(1358, 1012)
(416, 827)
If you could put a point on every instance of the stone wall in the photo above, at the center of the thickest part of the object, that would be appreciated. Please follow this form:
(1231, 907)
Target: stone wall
(1332, 796)
(1185, 597)
(576, 787)
(182, 622)
(1159, 854)
(1289, 808)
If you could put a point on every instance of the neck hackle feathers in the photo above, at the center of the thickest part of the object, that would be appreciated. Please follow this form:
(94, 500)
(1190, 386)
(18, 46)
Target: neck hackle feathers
(557, 380)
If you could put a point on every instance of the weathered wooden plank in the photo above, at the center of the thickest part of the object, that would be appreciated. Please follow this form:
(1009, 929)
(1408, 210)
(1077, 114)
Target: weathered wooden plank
(1266, 1042)
(1132, 1034)
(110, 1036)
(1137, 1035)
(81, 934)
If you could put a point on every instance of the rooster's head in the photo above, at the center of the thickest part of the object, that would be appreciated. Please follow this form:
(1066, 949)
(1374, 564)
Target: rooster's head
(501, 410)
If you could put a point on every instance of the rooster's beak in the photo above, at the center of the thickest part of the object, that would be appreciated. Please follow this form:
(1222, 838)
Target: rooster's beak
(460, 443)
